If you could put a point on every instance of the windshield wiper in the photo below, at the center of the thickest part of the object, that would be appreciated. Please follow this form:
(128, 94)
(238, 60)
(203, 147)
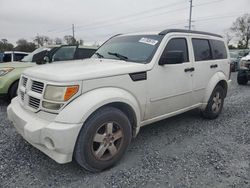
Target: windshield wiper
(121, 57)
(99, 55)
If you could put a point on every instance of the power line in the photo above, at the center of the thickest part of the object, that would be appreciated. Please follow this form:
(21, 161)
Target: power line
(132, 20)
(208, 3)
(118, 20)
(104, 23)
(134, 14)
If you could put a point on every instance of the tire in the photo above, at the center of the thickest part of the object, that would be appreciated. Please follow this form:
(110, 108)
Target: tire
(105, 129)
(13, 90)
(215, 103)
(242, 78)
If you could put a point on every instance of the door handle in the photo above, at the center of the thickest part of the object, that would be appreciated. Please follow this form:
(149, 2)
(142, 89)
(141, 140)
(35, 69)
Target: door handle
(213, 66)
(189, 69)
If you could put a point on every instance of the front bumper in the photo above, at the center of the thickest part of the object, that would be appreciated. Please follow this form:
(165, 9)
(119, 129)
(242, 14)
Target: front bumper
(57, 140)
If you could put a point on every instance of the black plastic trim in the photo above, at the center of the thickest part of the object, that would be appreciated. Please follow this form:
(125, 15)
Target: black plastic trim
(187, 31)
(138, 76)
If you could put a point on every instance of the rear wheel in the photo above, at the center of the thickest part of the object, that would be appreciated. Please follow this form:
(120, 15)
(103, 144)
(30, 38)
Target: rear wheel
(215, 103)
(103, 139)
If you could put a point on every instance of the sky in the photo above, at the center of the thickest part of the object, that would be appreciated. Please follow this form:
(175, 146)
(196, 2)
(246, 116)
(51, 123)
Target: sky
(97, 20)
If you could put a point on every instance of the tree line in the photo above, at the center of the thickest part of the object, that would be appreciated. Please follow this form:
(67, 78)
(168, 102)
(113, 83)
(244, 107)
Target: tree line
(25, 46)
(239, 32)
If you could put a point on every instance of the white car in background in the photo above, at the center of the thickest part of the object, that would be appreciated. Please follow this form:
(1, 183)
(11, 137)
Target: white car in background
(11, 56)
(244, 73)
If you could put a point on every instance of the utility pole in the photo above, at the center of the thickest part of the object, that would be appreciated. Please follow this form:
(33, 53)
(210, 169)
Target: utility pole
(73, 30)
(190, 15)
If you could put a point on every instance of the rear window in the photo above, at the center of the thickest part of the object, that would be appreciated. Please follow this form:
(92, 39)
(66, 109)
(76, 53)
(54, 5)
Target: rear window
(218, 49)
(202, 50)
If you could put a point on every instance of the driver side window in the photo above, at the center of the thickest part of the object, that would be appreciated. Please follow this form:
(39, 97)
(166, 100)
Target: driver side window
(177, 45)
(64, 53)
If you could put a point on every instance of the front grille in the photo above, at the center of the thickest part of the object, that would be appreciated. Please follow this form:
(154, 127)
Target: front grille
(22, 95)
(37, 86)
(34, 102)
(24, 81)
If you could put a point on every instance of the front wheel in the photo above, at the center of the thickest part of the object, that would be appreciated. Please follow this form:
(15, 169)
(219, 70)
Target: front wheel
(13, 90)
(215, 103)
(103, 139)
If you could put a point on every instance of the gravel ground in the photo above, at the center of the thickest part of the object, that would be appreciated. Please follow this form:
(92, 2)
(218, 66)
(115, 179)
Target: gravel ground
(183, 151)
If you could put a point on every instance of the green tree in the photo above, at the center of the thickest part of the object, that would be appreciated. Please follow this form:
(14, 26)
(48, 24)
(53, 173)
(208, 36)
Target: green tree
(58, 41)
(241, 27)
(25, 46)
(42, 40)
(5, 45)
(70, 40)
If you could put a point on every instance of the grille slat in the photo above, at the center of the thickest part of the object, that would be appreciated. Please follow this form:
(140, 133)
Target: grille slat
(37, 86)
(34, 102)
(24, 81)
(22, 95)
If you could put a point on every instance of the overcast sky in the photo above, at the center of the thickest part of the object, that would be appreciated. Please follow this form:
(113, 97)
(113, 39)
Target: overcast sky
(96, 20)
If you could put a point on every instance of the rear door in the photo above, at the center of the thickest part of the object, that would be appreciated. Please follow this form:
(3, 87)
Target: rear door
(210, 56)
(203, 61)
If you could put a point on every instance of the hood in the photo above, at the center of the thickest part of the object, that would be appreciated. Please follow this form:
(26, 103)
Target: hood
(246, 58)
(17, 64)
(83, 69)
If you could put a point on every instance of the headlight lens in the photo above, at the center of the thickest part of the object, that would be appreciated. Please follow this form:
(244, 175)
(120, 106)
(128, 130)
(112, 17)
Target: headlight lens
(243, 64)
(60, 93)
(4, 71)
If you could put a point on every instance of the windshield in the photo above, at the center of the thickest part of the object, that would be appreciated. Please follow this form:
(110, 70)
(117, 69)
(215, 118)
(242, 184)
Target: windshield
(234, 55)
(29, 57)
(136, 48)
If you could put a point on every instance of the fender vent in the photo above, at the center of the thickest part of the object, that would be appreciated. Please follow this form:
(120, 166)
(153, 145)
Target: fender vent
(138, 76)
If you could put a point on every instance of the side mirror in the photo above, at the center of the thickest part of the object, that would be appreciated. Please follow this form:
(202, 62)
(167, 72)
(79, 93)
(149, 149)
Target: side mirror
(172, 57)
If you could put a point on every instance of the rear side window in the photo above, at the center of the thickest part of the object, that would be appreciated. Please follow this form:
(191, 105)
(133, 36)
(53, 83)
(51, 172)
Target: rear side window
(218, 49)
(202, 50)
(7, 58)
(18, 56)
(178, 44)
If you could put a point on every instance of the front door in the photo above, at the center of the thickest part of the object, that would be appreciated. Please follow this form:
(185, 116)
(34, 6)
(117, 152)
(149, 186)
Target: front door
(170, 85)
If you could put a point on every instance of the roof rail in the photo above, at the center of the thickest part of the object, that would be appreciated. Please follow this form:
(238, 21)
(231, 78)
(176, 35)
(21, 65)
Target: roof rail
(187, 31)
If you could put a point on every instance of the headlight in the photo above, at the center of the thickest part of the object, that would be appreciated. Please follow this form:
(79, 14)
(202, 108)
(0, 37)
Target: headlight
(243, 64)
(4, 71)
(60, 93)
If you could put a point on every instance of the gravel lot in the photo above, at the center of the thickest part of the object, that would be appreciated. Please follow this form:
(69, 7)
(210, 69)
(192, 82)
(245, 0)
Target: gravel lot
(183, 151)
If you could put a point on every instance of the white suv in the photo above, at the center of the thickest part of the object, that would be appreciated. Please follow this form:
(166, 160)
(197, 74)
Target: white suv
(90, 109)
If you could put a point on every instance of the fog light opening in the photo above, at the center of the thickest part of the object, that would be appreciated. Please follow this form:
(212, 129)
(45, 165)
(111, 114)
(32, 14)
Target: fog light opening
(49, 143)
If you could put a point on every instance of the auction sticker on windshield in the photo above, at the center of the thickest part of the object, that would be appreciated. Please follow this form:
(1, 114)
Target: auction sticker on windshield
(148, 41)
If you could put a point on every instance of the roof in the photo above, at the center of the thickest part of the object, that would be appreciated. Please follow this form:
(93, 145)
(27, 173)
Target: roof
(9, 52)
(88, 47)
(187, 31)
